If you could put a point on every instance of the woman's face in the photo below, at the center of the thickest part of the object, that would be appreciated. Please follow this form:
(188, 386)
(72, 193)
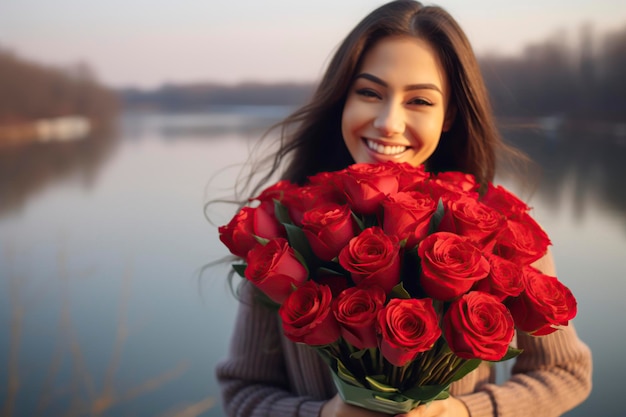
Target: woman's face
(397, 104)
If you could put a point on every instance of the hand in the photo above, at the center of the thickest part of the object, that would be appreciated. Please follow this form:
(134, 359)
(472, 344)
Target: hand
(450, 407)
(335, 407)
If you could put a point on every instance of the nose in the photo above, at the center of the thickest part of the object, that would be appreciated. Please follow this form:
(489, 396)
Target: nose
(390, 120)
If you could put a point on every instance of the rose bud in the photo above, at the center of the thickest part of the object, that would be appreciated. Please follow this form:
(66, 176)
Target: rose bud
(274, 269)
(523, 241)
(407, 216)
(307, 315)
(407, 327)
(238, 234)
(328, 228)
(451, 264)
(544, 304)
(504, 202)
(504, 279)
(467, 217)
(366, 185)
(373, 258)
(356, 310)
(479, 326)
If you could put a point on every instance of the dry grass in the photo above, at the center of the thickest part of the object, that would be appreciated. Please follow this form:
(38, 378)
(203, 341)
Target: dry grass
(84, 393)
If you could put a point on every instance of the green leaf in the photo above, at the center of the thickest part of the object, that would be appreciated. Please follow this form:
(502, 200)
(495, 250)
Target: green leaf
(442, 395)
(346, 375)
(379, 386)
(240, 269)
(510, 354)
(400, 292)
(281, 213)
(263, 241)
(358, 221)
(358, 354)
(466, 368)
(437, 217)
(332, 268)
(299, 242)
(427, 393)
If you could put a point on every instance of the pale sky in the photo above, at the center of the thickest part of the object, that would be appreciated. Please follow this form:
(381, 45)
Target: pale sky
(149, 42)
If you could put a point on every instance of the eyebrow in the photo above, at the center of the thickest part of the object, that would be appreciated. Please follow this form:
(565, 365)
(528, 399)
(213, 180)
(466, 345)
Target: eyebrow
(410, 87)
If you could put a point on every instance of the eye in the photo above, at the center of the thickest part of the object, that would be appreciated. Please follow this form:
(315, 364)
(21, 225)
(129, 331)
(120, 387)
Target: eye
(367, 93)
(420, 102)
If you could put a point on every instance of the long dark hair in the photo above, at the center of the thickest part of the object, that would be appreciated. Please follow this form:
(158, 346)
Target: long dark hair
(311, 136)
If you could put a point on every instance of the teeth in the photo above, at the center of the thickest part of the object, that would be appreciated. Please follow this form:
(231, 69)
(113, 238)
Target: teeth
(385, 150)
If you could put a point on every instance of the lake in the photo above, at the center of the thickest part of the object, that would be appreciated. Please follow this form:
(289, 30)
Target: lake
(102, 305)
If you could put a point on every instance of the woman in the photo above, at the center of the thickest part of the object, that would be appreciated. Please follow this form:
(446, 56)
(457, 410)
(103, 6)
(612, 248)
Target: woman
(403, 86)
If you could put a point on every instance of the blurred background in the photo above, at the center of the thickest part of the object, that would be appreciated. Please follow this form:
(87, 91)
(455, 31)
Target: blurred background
(120, 120)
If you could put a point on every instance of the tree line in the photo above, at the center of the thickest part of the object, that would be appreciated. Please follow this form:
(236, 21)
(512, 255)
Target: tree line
(549, 78)
(30, 91)
(553, 78)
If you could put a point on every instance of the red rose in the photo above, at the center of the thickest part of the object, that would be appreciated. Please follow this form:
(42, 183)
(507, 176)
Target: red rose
(408, 175)
(407, 327)
(306, 197)
(366, 185)
(503, 201)
(238, 234)
(544, 304)
(437, 191)
(458, 182)
(407, 216)
(477, 325)
(504, 279)
(276, 191)
(327, 179)
(522, 241)
(328, 228)
(465, 216)
(451, 264)
(373, 258)
(274, 269)
(307, 316)
(356, 310)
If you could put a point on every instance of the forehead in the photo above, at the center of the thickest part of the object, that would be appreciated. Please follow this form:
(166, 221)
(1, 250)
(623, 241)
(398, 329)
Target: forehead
(404, 60)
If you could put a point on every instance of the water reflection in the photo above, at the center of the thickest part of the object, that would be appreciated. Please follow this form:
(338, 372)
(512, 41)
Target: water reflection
(593, 164)
(28, 170)
(135, 200)
(247, 121)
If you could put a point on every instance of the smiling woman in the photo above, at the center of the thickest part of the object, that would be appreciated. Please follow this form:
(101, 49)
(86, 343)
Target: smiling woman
(397, 106)
(403, 86)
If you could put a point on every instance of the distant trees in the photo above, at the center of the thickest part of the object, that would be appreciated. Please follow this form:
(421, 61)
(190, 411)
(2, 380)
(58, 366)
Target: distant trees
(30, 91)
(549, 78)
(552, 78)
(586, 81)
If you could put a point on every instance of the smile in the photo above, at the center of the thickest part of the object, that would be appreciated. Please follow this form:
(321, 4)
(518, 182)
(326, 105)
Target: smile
(385, 149)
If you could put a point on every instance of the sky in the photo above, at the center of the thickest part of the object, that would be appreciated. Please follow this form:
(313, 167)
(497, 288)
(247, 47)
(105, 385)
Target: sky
(146, 43)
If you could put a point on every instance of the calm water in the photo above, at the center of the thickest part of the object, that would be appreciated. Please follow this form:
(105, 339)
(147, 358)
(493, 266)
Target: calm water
(101, 242)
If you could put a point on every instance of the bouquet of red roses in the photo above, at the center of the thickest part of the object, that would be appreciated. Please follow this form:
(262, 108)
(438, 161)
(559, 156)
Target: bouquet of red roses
(403, 280)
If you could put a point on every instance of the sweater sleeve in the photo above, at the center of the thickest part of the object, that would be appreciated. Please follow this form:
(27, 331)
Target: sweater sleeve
(551, 376)
(253, 379)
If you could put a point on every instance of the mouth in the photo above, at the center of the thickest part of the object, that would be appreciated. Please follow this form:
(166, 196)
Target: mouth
(388, 150)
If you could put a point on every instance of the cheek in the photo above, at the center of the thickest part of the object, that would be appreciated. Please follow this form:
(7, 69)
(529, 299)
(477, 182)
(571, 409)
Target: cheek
(428, 129)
